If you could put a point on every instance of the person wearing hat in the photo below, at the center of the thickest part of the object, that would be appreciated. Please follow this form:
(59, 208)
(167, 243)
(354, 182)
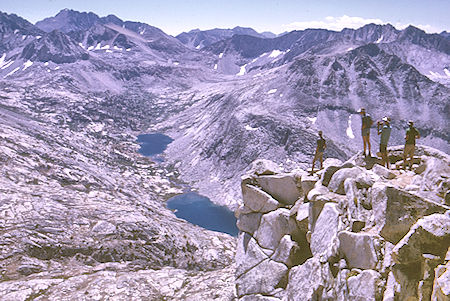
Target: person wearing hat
(321, 146)
(366, 123)
(384, 129)
(410, 144)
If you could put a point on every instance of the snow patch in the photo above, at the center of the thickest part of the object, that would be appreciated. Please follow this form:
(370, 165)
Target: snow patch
(272, 91)
(46, 64)
(312, 119)
(90, 47)
(24, 37)
(105, 47)
(350, 49)
(57, 68)
(176, 63)
(81, 45)
(38, 37)
(242, 71)
(349, 130)
(108, 51)
(98, 46)
(128, 49)
(249, 128)
(198, 47)
(215, 67)
(117, 48)
(447, 72)
(7, 64)
(16, 31)
(142, 32)
(27, 64)
(221, 55)
(275, 53)
(2, 59)
(12, 72)
(378, 42)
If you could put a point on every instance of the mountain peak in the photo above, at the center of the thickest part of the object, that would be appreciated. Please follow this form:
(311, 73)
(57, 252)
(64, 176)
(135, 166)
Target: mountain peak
(68, 20)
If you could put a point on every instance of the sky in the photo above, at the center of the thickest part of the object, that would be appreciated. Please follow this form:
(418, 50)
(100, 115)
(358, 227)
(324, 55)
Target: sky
(277, 16)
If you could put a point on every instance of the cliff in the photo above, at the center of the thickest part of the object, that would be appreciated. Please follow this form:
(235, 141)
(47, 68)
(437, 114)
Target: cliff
(353, 231)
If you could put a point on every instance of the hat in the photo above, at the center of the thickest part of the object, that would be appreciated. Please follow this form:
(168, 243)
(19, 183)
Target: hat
(410, 122)
(387, 119)
(361, 110)
(320, 132)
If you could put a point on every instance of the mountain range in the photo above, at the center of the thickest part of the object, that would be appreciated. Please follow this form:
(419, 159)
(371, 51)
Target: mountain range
(83, 214)
(241, 95)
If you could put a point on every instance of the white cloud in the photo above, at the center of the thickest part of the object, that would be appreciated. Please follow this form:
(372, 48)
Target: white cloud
(339, 23)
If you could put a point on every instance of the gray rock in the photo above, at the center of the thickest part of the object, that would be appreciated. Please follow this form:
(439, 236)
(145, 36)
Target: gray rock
(430, 234)
(328, 173)
(337, 180)
(325, 229)
(308, 182)
(365, 286)
(258, 200)
(383, 172)
(425, 287)
(249, 222)
(307, 280)
(317, 191)
(392, 290)
(248, 254)
(395, 211)
(283, 187)
(302, 217)
(286, 251)
(387, 257)
(441, 285)
(366, 180)
(264, 167)
(256, 281)
(274, 225)
(258, 297)
(359, 249)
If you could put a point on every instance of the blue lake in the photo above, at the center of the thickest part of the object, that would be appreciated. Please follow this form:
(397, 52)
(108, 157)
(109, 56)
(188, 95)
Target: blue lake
(191, 206)
(153, 144)
(199, 210)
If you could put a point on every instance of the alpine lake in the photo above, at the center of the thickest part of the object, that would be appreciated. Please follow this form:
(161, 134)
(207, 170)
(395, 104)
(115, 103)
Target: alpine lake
(190, 206)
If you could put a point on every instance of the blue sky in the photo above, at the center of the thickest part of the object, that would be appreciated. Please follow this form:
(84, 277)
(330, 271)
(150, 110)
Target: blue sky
(263, 15)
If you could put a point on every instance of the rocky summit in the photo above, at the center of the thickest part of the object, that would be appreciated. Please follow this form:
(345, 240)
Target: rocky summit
(353, 231)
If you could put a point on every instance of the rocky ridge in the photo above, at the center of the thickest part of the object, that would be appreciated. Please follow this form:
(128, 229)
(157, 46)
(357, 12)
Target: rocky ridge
(353, 231)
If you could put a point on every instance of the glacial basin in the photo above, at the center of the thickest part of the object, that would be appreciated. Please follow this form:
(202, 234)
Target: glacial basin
(190, 206)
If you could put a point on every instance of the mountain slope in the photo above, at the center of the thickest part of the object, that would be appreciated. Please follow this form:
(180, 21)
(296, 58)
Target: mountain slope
(15, 32)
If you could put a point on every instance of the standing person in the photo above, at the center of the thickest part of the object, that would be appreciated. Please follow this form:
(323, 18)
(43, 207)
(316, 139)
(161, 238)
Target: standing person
(366, 123)
(321, 146)
(384, 129)
(410, 143)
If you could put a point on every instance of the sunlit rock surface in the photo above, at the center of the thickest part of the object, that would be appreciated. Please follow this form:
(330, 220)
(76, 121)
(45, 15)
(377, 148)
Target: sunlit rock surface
(377, 242)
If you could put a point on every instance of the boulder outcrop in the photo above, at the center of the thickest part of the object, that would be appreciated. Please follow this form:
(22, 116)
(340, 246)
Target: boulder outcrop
(355, 232)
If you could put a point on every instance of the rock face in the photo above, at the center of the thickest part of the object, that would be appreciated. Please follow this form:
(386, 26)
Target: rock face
(361, 237)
